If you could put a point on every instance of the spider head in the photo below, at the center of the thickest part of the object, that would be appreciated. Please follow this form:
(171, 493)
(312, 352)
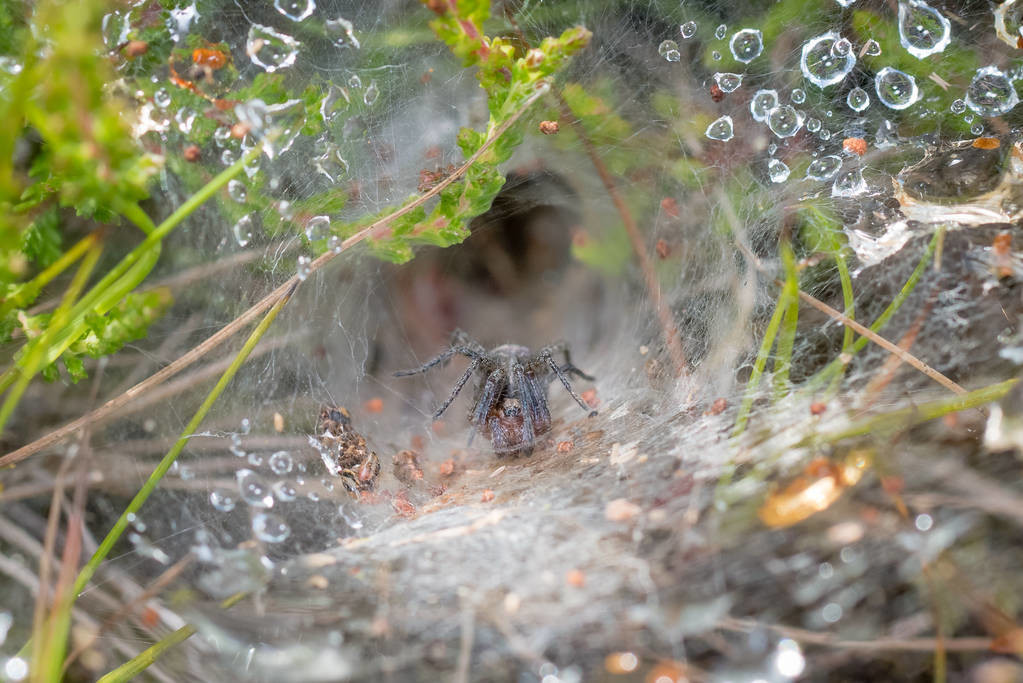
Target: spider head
(511, 407)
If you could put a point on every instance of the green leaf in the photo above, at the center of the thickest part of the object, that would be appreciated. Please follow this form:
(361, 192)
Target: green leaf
(41, 241)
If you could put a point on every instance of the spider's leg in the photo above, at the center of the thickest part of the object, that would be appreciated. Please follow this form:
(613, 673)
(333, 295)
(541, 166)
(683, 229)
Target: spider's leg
(488, 395)
(527, 400)
(546, 356)
(442, 359)
(458, 386)
(570, 369)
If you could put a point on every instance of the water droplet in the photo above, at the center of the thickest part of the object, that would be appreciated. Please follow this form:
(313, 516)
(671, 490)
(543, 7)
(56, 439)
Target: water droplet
(771, 149)
(716, 56)
(331, 163)
(977, 128)
(819, 63)
(162, 98)
(886, 135)
(746, 45)
(721, 129)
(895, 89)
(669, 50)
(728, 82)
(688, 29)
(185, 118)
(849, 183)
(245, 426)
(825, 134)
(777, 170)
(296, 10)
(858, 99)
(763, 101)
(302, 267)
(253, 113)
(270, 528)
(334, 103)
(842, 47)
(958, 106)
(354, 82)
(824, 168)
(371, 94)
(872, 48)
(222, 499)
(285, 210)
(720, 31)
(254, 490)
(342, 32)
(16, 669)
(845, 3)
(968, 118)
(991, 93)
(255, 459)
(923, 30)
(784, 121)
(243, 230)
(285, 491)
(221, 136)
(813, 125)
(10, 66)
(227, 157)
(269, 49)
(334, 244)
(236, 189)
(317, 227)
(281, 462)
(798, 96)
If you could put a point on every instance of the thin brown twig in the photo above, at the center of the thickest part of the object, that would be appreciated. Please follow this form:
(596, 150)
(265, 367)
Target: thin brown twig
(669, 330)
(905, 356)
(260, 307)
(969, 644)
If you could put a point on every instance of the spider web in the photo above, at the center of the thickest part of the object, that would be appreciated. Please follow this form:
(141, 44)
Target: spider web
(631, 532)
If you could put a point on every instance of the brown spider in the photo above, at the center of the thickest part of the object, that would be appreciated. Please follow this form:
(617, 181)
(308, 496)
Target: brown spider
(510, 401)
(344, 450)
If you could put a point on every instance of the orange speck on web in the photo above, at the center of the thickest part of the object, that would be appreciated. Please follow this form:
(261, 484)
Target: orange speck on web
(374, 405)
(575, 577)
(857, 146)
(487, 495)
(987, 143)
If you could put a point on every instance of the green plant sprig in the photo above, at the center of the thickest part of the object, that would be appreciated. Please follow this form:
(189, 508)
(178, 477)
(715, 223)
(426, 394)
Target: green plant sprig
(509, 81)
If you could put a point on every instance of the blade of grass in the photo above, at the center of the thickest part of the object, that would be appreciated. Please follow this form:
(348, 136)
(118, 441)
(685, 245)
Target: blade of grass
(761, 361)
(836, 367)
(787, 338)
(913, 415)
(27, 292)
(134, 667)
(193, 425)
(36, 348)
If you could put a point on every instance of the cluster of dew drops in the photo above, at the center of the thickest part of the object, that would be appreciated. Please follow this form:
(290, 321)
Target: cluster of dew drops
(254, 489)
(272, 51)
(825, 60)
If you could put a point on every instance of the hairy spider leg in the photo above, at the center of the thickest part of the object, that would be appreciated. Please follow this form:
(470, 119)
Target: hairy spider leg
(534, 398)
(573, 370)
(545, 355)
(458, 386)
(526, 398)
(442, 359)
(568, 367)
(488, 396)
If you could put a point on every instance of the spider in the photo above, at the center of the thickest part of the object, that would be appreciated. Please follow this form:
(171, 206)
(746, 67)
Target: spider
(510, 401)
